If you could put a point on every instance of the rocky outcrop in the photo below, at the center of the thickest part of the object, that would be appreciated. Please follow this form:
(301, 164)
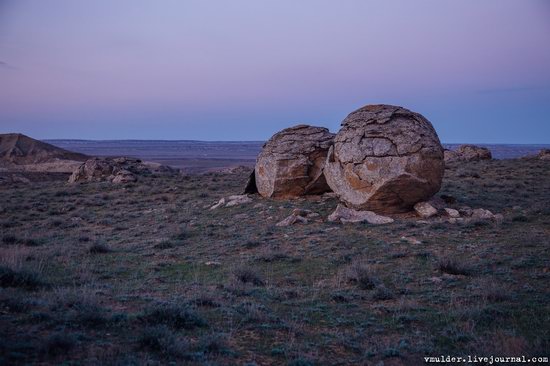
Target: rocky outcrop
(291, 163)
(345, 215)
(116, 170)
(544, 154)
(124, 176)
(467, 153)
(385, 159)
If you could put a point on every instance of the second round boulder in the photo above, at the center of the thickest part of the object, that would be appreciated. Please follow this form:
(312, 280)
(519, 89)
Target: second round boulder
(291, 163)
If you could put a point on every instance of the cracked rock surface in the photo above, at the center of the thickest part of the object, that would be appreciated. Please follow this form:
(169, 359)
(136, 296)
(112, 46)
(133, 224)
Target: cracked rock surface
(291, 163)
(385, 159)
(116, 170)
(467, 153)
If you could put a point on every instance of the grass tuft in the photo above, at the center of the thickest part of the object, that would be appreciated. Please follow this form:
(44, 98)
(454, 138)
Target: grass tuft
(174, 315)
(22, 278)
(247, 275)
(99, 248)
(450, 266)
(59, 343)
(359, 274)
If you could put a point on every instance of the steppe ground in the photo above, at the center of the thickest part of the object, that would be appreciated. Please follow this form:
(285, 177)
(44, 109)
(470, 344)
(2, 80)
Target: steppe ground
(145, 274)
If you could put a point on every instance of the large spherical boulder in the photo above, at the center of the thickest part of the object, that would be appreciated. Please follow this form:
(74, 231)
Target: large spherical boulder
(385, 159)
(291, 163)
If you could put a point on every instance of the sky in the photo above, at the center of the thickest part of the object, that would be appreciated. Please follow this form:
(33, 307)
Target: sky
(245, 69)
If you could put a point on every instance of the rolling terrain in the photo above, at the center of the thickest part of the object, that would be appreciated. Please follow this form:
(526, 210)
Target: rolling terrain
(190, 156)
(146, 273)
(22, 153)
(204, 156)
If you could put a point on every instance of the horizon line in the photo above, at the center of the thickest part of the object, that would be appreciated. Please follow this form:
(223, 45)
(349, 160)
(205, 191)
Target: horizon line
(263, 141)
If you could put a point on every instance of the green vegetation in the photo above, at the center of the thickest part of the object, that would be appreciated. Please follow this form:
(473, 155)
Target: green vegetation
(145, 273)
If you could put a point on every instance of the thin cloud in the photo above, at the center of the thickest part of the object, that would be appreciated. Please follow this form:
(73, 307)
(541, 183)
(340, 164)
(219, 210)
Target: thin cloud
(514, 89)
(6, 66)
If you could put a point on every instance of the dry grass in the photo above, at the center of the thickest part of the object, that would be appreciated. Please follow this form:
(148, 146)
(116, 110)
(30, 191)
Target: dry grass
(143, 273)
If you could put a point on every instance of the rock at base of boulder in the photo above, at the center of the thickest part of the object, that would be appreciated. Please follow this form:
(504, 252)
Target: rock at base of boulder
(238, 200)
(232, 201)
(298, 216)
(345, 215)
(482, 214)
(291, 220)
(477, 214)
(220, 203)
(451, 212)
(425, 210)
(410, 240)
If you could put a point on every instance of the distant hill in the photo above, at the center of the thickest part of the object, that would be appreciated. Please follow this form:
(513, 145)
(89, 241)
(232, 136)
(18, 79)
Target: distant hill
(20, 152)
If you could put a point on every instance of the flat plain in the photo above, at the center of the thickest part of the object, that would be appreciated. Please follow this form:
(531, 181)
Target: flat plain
(145, 273)
(208, 156)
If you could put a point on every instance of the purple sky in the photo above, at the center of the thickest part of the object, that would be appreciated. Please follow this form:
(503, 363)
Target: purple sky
(244, 69)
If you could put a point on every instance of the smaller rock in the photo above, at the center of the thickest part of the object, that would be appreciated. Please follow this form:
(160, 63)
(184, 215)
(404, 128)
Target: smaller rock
(345, 215)
(124, 176)
(451, 212)
(19, 179)
(298, 216)
(482, 214)
(238, 200)
(544, 154)
(411, 240)
(232, 201)
(425, 210)
(212, 263)
(220, 203)
(241, 216)
(499, 218)
(291, 220)
(456, 220)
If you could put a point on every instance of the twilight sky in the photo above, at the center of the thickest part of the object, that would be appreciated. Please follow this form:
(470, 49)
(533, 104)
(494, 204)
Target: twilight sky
(244, 69)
